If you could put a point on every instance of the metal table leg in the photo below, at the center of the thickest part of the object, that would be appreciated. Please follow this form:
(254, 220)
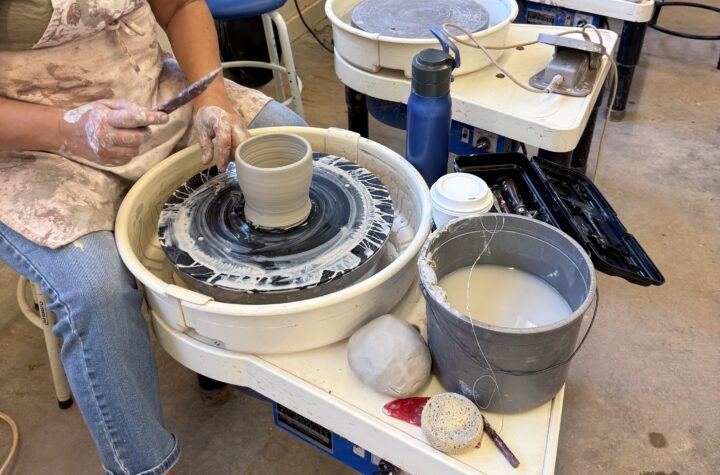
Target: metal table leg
(582, 151)
(44, 319)
(578, 158)
(628, 56)
(209, 384)
(357, 112)
(53, 345)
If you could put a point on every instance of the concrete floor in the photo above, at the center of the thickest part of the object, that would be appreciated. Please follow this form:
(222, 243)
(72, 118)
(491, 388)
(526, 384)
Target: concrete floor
(643, 396)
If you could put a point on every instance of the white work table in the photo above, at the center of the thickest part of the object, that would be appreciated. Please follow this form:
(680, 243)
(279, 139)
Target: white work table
(548, 121)
(319, 385)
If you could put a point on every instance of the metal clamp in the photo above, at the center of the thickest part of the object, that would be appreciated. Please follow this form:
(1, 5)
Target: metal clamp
(576, 61)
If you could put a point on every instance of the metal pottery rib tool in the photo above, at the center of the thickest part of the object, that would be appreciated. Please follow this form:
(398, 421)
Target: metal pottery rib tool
(189, 93)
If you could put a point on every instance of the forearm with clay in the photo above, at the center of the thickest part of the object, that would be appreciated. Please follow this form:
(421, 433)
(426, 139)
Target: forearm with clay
(216, 120)
(107, 132)
(21, 121)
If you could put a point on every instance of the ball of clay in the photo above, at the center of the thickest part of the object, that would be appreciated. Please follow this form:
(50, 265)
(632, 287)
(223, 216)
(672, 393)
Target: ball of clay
(452, 423)
(390, 356)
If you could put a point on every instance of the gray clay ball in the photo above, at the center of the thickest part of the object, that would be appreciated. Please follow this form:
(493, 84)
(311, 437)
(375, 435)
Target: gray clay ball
(390, 356)
(452, 423)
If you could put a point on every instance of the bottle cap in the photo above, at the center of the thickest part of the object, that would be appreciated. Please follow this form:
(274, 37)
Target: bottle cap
(432, 72)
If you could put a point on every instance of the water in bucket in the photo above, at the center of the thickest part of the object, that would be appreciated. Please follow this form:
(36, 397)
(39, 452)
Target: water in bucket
(504, 296)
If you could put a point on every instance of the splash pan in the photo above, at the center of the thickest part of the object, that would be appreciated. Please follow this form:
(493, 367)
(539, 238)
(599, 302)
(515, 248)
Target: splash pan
(276, 327)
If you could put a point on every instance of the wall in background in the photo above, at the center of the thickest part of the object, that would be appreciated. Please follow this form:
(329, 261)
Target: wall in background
(313, 11)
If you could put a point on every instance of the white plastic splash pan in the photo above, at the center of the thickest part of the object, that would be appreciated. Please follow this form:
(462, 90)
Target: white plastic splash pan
(287, 327)
(373, 52)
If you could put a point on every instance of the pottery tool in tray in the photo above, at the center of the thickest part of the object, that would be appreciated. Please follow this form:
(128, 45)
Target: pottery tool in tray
(189, 93)
(204, 233)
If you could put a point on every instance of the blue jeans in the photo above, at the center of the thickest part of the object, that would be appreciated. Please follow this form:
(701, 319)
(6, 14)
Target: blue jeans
(106, 349)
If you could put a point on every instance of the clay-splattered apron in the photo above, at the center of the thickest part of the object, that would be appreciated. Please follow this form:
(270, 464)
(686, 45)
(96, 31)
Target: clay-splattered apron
(91, 50)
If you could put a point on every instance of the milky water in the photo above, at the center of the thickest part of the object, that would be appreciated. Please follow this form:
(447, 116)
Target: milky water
(505, 297)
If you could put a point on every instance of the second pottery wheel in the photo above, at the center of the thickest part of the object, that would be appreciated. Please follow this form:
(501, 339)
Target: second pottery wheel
(204, 234)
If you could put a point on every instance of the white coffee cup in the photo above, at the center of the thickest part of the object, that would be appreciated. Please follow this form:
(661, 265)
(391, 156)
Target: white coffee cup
(274, 172)
(459, 195)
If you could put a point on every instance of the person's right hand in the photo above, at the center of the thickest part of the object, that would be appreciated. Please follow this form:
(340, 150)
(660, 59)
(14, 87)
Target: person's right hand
(108, 132)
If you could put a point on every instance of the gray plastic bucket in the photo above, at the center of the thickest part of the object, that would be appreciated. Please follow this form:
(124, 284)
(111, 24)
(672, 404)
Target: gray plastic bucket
(530, 364)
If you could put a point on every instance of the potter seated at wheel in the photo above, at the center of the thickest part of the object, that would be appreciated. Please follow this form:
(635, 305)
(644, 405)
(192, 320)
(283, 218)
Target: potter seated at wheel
(82, 118)
(281, 225)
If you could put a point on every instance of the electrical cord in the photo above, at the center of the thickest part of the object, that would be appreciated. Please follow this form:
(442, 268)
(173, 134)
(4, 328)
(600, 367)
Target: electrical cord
(554, 84)
(556, 81)
(15, 440)
(604, 22)
(310, 30)
(612, 100)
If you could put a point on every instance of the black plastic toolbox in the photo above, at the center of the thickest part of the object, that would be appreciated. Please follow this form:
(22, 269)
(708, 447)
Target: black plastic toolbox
(569, 201)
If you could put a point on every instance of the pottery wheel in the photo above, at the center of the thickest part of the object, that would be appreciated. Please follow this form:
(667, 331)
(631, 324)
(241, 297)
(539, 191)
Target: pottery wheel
(204, 234)
(413, 19)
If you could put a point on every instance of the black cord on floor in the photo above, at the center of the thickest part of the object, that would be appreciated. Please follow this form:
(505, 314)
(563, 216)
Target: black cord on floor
(310, 30)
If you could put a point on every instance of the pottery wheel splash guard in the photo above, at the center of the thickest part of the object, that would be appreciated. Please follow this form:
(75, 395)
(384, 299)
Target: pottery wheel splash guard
(204, 234)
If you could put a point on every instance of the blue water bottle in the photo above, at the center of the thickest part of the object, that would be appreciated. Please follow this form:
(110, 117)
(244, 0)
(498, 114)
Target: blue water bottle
(429, 109)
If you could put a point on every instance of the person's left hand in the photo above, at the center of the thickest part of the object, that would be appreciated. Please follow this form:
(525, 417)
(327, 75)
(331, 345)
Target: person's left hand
(219, 132)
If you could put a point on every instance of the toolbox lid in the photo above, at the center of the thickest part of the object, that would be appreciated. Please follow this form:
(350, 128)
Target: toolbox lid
(568, 200)
(586, 215)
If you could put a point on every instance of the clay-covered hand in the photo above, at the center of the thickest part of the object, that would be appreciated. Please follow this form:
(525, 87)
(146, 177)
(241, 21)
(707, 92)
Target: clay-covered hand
(227, 130)
(108, 132)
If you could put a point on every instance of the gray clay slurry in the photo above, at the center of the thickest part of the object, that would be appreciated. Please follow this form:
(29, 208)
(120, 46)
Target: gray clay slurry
(413, 19)
(203, 231)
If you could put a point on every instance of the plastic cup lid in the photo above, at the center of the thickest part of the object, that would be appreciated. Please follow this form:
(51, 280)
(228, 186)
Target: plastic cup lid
(462, 193)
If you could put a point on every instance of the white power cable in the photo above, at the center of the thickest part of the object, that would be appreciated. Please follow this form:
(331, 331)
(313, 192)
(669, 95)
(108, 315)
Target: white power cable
(15, 440)
(612, 98)
(556, 81)
(476, 44)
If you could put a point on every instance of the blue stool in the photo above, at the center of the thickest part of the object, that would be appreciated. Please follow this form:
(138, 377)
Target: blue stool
(267, 9)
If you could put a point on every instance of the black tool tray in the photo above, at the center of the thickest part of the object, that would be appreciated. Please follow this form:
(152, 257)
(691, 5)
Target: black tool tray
(569, 201)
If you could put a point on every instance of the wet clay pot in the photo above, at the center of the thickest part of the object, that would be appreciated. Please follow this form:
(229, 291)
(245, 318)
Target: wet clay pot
(274, 173)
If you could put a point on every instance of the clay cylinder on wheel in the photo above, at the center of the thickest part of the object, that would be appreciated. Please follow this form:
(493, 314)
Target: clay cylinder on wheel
(274, 173)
